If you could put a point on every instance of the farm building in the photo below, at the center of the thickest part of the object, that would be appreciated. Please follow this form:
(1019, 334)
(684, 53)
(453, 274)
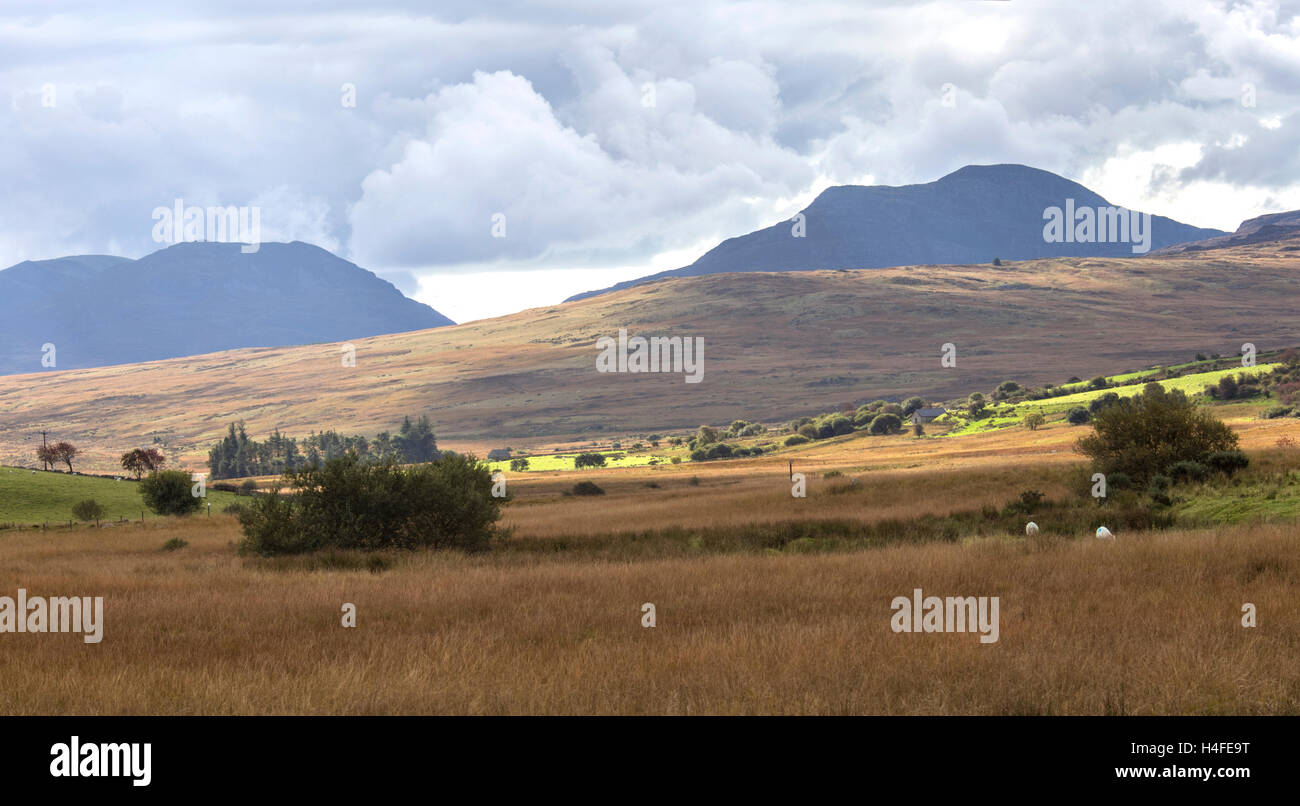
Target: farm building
(926, 415)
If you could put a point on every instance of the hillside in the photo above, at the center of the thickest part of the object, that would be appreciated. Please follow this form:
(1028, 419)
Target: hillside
(972, 215)
(776, 345)
(192, 298)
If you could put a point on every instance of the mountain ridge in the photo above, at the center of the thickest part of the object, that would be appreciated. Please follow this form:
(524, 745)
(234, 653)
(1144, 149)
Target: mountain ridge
(972, 215)
(191, 298)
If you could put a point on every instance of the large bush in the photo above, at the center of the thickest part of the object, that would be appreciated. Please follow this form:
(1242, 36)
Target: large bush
(886, 424)
(589, 460)
(347, 504)
(169, 492)
(1146, 434)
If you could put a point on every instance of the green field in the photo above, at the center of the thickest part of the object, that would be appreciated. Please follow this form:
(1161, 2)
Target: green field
(565, 461)
(30, 498)
(1008, 416)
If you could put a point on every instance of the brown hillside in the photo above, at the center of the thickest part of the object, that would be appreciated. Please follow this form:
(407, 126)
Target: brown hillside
(776, 345)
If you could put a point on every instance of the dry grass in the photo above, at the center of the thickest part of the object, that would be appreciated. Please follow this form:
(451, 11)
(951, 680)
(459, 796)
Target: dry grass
(1149, 624)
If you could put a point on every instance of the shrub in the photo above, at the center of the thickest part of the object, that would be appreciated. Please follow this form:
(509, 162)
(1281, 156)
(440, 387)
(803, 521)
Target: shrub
(88, 510)
(587, 488)
(912, 404)
(796, 439)
(1278, 411)
(1033, 420)
(1078, 416)
(1228, 462)
(1188, 470)
(808, 431)
(518, 465)
(886, 424)
(233, 509)
(1099, 403)
(589, 460)
(1119, 480)
(1151, 431)
(168, 492)
(677, 460)
(174, 544)
(247, 487)
(346, 504)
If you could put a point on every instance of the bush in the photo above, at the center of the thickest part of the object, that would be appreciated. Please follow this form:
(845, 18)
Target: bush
(174, 544)
(1278, 411)
(1187, 470)
(677, 460)
(886, 424)
(587, 488)
(796, 439)
(1151, 431)
(233, 509)
(346, 504)
(88, 510)
(589, 460)
(247, 487)
(1099, 403)
(1119, 480)
(168, 492)
(808, 431)
(1078, 416)
(1228, 462)
(518, 465)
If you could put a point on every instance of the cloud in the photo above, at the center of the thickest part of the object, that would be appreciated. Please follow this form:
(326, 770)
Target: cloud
(611, 133)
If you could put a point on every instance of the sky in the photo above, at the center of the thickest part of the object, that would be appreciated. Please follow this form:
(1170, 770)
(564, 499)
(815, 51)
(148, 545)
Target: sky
(490, 157)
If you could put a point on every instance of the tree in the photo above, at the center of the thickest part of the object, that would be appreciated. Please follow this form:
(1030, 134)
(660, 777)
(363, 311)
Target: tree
(886, 424)
(168, 492)
(1034, 419)
(975, 404)
(912, 404)
(349, 504)
(1144, 435)
(918, 430)
(65, 452)
(1079, 415)
(48, 456)
(589, 460)
(88, 510)
(706, 435)
(140, 461)
(519, 465)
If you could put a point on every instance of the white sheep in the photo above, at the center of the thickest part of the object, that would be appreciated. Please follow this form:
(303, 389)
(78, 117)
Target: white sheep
(1104, 534)
(1031, 529)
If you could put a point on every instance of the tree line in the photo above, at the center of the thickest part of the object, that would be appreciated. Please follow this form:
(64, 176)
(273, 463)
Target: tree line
(238, 456)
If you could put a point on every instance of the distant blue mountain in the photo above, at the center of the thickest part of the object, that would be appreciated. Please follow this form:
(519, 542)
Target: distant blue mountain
(192, 298)
(972, 215)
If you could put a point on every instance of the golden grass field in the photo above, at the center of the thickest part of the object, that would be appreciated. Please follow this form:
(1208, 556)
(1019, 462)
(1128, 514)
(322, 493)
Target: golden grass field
(1148, 624)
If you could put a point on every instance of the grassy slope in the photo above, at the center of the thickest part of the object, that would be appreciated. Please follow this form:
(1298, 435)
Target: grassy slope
(27, 497)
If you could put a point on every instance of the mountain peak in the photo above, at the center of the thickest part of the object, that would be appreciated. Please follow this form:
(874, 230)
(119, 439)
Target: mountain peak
(192, 298)
(972, 215)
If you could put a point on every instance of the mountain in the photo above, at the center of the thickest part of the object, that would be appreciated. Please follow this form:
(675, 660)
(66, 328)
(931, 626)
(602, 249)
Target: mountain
(776, 346)
(972, 215)
(192, 298)
(1261, 229)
